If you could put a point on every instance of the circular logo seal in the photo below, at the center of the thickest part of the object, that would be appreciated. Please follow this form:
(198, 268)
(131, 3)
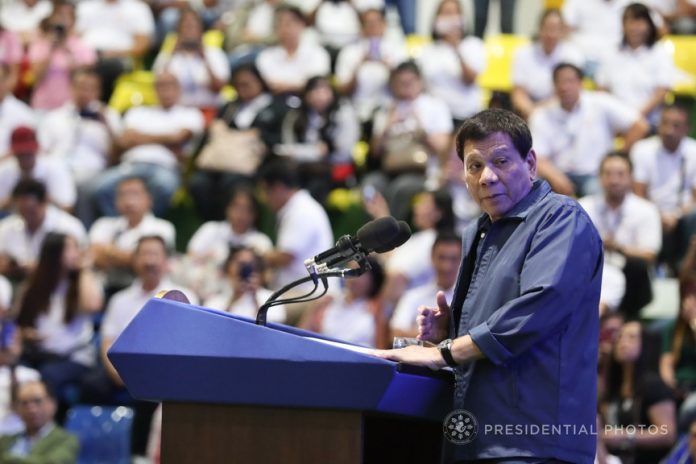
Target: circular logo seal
(460, 427)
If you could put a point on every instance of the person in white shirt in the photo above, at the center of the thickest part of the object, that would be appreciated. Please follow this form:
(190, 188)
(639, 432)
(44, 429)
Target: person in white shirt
(201, 70)
(13, 112)
(640, 71)
(446, 255)
(451, 64)
(156, 143)
(665, 174)
(24, 17)
(287, 66)
(337, 23)
(303, 225)
(22, 233)
(629, 227)
(27, 163)
(573, 131)
(532, 64)
(244, 292)
(113, 239)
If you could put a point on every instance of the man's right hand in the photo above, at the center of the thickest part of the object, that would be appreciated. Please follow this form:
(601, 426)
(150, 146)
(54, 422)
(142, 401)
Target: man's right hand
(433, 323)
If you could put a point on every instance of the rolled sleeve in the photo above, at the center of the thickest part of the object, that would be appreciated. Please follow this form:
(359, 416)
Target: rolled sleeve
(487, 343)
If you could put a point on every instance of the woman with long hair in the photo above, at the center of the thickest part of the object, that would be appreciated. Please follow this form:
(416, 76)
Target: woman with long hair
(55, 311)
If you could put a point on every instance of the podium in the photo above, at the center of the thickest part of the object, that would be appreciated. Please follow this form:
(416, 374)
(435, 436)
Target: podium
(233, 391)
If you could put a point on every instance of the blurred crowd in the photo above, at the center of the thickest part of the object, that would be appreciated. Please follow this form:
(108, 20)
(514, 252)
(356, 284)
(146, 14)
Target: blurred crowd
(254, 113)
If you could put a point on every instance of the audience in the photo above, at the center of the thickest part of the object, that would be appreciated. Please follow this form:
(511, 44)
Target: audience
(13, 112)
(25, 16)
(11, 53)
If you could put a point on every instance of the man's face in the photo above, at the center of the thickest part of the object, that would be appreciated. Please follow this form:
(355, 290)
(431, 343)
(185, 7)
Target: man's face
(241, 214)
(132, 198)
(373, 24)
(34, 406)
(168, 90)
(86, 89)
(615, 177)
(496, 175)
(673, 127)
(446, 257)
(288, 28)
(31, 210)
(406, 85)
(274, 195)
(568, 87)
(150, 260)
(26, 159)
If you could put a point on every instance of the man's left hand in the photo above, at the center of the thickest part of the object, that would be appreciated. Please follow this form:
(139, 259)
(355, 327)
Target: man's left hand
(416, 355)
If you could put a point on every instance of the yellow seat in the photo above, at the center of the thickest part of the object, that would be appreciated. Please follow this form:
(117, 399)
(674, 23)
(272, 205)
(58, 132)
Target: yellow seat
(415, 44)
(499, 52)
(134, 89)
(212, 38)
(553, 4)
(683, 51)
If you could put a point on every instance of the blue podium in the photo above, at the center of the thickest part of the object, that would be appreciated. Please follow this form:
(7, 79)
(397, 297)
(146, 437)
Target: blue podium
(237, 392)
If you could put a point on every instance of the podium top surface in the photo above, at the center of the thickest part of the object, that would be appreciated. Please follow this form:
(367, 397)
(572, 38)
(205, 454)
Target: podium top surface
(173, 351)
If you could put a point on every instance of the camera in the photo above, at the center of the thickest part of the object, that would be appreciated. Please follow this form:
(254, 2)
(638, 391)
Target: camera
(7, 330)
(60, 30)
(246, 270)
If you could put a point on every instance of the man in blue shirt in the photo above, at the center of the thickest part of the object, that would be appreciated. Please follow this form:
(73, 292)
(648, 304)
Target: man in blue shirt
(521, 333)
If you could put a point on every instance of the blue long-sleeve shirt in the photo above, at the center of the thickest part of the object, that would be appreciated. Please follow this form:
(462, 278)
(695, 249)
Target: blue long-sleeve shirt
(532, 308)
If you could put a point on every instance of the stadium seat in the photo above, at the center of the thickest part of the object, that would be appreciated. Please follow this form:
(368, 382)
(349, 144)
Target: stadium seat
(212, 38)
(415, 44)
(499, 52)
(103, 432)
(134, 89)
(683, 51)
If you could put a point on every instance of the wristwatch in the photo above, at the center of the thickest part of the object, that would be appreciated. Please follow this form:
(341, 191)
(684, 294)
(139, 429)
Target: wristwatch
(445, 349)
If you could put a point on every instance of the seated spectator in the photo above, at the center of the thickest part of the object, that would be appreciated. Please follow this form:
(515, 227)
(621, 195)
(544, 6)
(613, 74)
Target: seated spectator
(22, 233)
(453, 61)
(201, 70)
(11, 53)
(54, 55)
(532, 65)
(104, 385)
(27, 163)
(595, 27)
(254, 111)
(410, 140)
(156, 143)
(211, 12)
(10, 373)
(286, 67)
(249, 30)
(244, 291)
(113, 239)
(353, 314)
(636, 397)
(302, 224)
(665, 174)
(320, 136)
(13, 112)
(43, 441)
(629, 227)
(573, 131)
(362, 68)
(24, 17)
(54, 315)
(640, 71)
(120, 31)
(82, 133)
(337, 23)
(446, 257)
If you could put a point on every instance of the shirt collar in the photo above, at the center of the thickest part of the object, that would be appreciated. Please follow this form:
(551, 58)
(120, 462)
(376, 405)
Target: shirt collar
(540, 188)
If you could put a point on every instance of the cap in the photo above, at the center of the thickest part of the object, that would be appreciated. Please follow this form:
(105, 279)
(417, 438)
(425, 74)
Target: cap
(23, 139)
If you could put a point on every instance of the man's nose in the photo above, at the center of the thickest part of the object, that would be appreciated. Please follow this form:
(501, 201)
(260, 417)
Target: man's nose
(488, 176)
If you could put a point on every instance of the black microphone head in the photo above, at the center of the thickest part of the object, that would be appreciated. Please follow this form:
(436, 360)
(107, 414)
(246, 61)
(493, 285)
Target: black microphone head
(378, 233)
(399, 239)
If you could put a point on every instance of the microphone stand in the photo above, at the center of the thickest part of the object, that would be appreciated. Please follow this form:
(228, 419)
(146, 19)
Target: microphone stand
(314, 277)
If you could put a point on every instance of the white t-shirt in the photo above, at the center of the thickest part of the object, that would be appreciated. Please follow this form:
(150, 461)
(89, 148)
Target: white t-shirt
(576, 141)
(154, 120)
(372, 80)
(16, 242)
(532, 68)
(260, 20)
(13, 113)
(442, 74)
(113, 26)
(84, 144)
(309, 60)
(115, 231)
(303, 231)
(633, 75)
(10, 423)
(127, 303)
(613, 286)
(432, 113)
(245, 306)
(191, 71)
(214, 238)
(352, 322)
(670, 177)
(337, 23)
(406, 311)
(636, 223)
(53, 172)
(413, 258)
(5, 293)
(597, 25)
(17, 16)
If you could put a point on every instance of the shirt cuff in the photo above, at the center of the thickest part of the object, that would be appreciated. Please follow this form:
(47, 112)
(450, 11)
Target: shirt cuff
(489, 346)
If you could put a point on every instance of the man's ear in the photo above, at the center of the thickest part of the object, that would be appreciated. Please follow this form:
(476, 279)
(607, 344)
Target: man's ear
(531, 162)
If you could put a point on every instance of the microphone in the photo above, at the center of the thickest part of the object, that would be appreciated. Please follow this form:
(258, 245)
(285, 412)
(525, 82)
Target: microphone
(380, 235)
